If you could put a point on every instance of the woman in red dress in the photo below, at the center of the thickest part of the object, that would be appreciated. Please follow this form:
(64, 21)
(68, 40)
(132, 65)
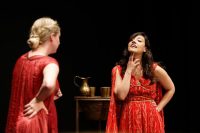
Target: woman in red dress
(34, 84)
(136, 104)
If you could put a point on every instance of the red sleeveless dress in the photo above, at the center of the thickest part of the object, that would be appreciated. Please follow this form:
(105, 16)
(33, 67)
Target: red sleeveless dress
(26, 82)
(137, 113)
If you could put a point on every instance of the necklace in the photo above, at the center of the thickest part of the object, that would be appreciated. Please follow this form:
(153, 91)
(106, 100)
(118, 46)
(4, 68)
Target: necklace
(138, 74)
(138, 83)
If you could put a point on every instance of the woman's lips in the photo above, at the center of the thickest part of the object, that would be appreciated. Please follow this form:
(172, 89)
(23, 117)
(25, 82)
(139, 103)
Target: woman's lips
(133, 46)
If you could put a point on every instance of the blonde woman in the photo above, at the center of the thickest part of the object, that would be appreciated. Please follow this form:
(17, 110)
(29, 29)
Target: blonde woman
(34, 84)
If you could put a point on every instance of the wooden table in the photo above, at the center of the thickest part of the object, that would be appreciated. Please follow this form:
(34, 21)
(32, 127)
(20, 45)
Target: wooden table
(95, 108)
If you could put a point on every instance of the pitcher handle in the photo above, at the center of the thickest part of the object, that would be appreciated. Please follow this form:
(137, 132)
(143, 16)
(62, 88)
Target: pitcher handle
(75, 81)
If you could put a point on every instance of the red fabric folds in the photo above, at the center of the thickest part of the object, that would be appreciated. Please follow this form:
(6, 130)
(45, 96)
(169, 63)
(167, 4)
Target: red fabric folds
(26, 82)
(137, 113)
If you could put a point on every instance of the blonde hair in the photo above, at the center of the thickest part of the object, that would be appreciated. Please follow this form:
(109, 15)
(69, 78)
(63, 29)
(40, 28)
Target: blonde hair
(41, 30)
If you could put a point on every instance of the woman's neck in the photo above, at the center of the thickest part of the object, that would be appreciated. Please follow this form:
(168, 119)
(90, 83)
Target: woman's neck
(41, 50)
(139, 70)
(138, 56)
(38, 51)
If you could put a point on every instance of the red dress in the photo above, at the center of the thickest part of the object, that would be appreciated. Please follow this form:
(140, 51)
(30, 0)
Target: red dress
(137, 113)
(26, 82)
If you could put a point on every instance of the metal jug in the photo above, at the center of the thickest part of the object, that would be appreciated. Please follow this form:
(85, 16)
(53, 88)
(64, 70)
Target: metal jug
(84, 88)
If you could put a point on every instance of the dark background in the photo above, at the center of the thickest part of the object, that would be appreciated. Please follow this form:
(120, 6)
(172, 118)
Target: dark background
(93, 35)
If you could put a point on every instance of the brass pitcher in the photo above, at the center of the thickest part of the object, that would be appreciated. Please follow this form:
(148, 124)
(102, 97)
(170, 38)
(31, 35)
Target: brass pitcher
(84, 88)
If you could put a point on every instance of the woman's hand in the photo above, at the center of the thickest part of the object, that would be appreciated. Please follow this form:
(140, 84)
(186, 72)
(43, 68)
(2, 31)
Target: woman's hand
(58, 95)
(33, 107)
(132, 64)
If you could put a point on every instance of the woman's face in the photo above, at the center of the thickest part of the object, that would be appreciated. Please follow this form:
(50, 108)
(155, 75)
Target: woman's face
(137, 45)
(56, 42)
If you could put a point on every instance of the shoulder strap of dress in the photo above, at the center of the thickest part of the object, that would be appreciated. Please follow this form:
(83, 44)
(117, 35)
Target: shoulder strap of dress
(159, 92)
(115, 106)
(154, 65)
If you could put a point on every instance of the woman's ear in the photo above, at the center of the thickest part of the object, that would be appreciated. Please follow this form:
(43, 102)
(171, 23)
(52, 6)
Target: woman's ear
(52, 36)
(145, 49)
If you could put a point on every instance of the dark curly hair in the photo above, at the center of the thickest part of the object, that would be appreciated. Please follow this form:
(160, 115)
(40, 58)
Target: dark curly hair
(147, 58)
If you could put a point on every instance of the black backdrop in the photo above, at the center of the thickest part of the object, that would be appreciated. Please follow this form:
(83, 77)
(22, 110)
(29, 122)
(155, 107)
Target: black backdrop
(93, 36)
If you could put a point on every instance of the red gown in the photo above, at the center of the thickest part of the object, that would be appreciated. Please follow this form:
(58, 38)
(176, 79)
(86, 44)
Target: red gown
(137, 113)
(26, 82)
